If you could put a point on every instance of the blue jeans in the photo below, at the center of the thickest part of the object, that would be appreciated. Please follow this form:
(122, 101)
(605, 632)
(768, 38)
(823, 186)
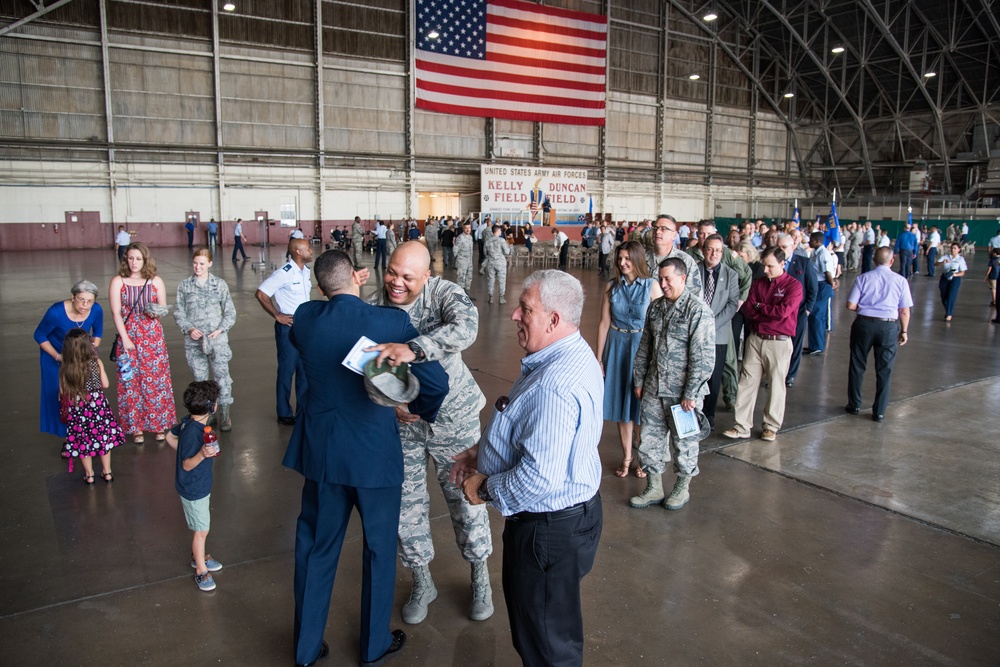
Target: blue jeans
(906, 262)
(289, 364)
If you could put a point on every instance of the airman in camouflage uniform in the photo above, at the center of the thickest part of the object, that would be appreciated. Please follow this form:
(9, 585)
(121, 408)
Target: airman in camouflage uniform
(204, 307)
(357, 241)
(463, 257)
(673, 365)
(663, 234)
(497, 251)
(431, 231)
(448, 323)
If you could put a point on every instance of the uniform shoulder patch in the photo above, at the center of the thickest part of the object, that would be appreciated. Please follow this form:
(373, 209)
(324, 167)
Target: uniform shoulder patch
(286, 267)
(463, 299)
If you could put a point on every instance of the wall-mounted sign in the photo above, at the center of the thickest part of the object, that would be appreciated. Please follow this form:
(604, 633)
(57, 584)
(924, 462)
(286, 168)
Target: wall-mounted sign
(512, 189)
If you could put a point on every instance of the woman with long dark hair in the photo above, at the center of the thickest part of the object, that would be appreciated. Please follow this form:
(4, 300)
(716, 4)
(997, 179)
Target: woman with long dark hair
(623, 315)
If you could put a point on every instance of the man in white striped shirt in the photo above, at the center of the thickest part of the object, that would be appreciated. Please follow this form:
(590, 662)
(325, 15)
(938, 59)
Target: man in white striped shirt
(538, 464)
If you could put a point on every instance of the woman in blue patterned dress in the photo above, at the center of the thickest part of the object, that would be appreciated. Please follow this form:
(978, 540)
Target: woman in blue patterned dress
(623, 314)
(80, 311)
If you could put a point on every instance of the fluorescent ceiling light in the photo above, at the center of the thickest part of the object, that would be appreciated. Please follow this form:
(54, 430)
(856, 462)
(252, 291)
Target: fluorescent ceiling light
(694, 77)
(837, 50)
(711, 16)
(787, 95)
(433, 34)
(928, 75)
(229, 6)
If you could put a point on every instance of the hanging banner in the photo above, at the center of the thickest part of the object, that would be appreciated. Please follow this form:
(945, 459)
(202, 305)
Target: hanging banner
(512, 189)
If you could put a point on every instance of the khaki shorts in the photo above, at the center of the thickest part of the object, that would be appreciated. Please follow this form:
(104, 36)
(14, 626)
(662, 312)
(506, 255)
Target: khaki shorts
(196, 513)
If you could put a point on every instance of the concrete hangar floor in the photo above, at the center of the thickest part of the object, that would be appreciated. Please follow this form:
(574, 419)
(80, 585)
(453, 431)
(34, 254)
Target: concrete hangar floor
(844, 542)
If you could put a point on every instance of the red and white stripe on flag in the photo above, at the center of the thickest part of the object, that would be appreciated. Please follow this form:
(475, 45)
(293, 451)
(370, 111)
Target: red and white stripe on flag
(540, 64)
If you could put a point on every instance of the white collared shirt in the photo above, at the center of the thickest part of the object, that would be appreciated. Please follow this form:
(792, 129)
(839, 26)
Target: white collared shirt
(289, 286)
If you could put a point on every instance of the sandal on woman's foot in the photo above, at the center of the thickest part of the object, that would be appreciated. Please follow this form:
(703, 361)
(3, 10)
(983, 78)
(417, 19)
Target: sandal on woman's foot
(640, 473)
(623, 468)
(88, 479)
(138, 438)
(107, 476)
(161, 436)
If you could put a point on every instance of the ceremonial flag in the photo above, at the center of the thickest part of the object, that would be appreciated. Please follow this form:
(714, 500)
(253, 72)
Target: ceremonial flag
(511, 59)
(909, 215)
(832, 224)
(796, 216)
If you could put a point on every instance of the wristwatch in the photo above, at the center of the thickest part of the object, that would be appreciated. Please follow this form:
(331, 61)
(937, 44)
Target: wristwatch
(483, 492)
(415, 349)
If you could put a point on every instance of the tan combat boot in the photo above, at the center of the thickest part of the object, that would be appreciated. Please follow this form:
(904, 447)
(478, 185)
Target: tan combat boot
(653, 493)
(423, 594)
(679, 496)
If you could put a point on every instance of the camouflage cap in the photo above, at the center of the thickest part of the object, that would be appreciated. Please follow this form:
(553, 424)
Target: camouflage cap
(390, 386)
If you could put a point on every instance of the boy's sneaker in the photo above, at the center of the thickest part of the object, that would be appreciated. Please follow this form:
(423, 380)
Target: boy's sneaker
(205, 581)
(211, 564)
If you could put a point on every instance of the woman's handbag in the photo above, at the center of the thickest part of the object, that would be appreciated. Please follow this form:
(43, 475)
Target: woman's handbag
(118, 338)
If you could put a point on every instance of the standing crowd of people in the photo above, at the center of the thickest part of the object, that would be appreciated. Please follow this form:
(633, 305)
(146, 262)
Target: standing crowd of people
(690, 321)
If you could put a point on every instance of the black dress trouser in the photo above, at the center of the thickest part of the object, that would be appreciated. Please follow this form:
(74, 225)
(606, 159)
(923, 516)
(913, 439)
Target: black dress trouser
(883, 337)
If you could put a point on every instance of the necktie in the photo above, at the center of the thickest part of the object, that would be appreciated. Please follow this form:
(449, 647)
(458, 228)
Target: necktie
(709, 286)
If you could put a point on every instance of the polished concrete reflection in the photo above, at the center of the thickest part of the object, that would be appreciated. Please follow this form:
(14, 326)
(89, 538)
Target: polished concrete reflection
(844, 542)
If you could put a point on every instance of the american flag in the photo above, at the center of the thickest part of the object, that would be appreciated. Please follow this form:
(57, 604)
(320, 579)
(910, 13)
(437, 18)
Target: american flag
(511, 59)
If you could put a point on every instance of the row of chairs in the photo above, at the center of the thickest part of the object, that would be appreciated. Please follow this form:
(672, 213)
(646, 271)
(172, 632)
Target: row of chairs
(544, 255)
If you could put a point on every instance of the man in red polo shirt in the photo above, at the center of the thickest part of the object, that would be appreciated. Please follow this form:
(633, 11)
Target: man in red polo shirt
(771, 312)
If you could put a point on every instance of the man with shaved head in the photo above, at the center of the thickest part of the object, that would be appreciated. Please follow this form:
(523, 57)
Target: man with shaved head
(280, 295)
(448, 323)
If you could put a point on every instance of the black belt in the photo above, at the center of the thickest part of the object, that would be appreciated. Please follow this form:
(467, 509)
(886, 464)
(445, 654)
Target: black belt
(572, 510)
(877, 319)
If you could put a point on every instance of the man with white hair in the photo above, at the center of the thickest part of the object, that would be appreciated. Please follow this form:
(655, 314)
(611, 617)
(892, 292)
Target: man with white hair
(537, 463)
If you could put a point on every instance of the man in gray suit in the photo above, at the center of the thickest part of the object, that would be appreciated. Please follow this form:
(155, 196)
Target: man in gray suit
(721, 291)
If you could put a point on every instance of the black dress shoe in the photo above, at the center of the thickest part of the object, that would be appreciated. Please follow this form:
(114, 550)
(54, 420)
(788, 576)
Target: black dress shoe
(878, 418)
(790, 383)
(286, 421)
(323, 652)
(853, 411)
(398, 639)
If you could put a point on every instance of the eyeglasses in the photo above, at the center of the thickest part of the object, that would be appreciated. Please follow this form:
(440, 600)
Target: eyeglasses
(84, 301)
(665, 229)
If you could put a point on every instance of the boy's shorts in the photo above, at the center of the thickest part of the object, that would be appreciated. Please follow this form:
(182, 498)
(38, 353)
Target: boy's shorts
(196, 513)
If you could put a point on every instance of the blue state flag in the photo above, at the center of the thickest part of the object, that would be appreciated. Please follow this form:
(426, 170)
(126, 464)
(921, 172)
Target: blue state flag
(832, 234)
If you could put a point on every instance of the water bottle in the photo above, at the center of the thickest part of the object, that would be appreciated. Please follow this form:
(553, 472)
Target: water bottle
(126, 371)
(212, 440)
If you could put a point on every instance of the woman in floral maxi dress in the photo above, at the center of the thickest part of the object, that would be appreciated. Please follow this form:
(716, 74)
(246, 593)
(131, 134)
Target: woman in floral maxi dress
(146, 400)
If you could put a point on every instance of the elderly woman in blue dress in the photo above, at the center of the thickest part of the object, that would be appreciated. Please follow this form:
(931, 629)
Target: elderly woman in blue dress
(80, 311)
(623, 314)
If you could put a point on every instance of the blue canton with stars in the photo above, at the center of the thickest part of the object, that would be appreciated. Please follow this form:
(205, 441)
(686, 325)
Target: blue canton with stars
(461, 25)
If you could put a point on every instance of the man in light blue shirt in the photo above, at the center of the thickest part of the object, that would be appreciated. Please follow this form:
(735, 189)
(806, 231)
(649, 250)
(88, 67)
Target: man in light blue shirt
(882, 301)
(538, 464)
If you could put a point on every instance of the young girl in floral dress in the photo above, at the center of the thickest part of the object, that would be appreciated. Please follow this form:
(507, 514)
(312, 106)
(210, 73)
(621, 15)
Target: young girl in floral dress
(91, 427)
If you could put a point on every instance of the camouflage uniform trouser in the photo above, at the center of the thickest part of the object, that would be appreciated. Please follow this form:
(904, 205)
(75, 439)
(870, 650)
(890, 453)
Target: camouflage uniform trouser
(464, 277)
(357, 247)
(658, 432)
(217, 362)
(470, 522)
(497, 272)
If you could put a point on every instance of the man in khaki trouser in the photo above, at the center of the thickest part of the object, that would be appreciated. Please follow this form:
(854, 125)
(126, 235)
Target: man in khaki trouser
(771, 311)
